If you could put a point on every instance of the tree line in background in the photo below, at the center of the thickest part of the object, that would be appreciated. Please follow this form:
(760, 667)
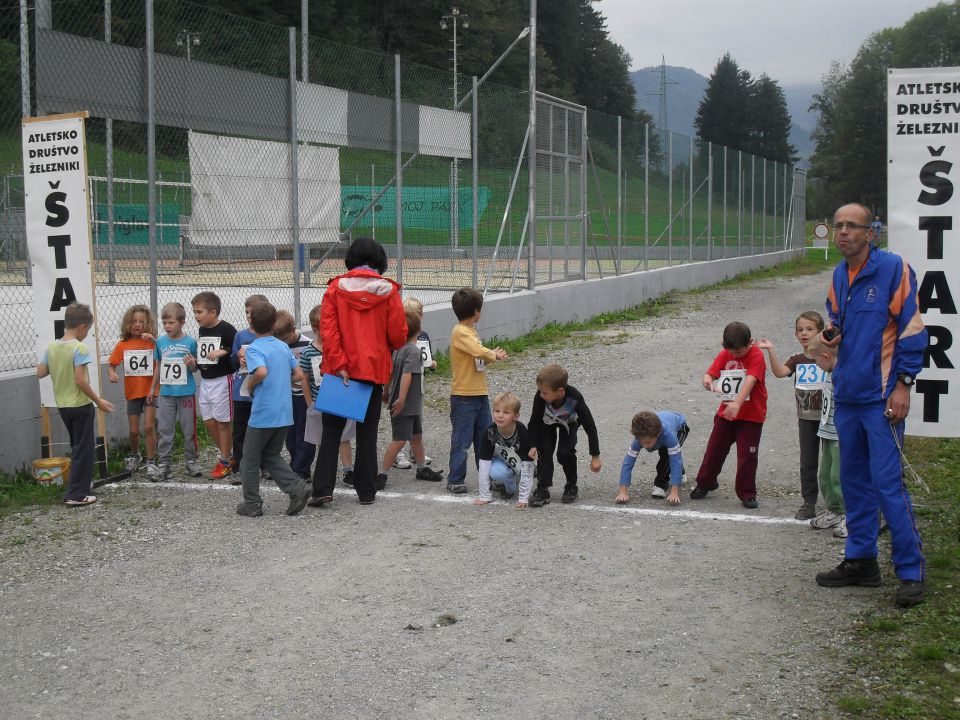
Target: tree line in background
(849, 163)
(576, 59)
(743, 113)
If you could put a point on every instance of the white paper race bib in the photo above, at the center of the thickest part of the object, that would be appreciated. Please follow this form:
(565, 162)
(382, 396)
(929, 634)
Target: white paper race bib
(173, 371)
(810, 377)
(205, 346)
(138, 363)
(315, 363)
(481, 364)
(426, 355)
(729, 383)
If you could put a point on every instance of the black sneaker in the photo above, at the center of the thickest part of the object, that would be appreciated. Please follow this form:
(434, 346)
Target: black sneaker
(497, 486)
(506, 494)
(700, 492)
(864, 572)
(320, 501)
(459, 489)
(381, 481)
(367, 500)
(298, 499)
(569, 494)
(540, 497)
(430, 474)
(750, 503)
(249, 510)
(909, 593)
(348, 478)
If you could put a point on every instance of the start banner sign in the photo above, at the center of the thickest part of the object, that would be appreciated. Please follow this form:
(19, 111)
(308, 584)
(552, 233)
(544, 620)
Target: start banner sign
(58, 230)
(923, 146)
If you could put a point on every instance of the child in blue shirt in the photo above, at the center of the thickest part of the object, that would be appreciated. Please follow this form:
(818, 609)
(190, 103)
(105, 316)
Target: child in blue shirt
(241, 403)
(175, 359)
(271, 370)
(663, 431)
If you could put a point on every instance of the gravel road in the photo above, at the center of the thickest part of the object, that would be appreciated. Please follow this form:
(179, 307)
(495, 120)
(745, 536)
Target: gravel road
(160, 602)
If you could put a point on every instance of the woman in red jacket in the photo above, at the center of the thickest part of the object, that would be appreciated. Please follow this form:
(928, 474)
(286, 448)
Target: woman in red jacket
(361, 324)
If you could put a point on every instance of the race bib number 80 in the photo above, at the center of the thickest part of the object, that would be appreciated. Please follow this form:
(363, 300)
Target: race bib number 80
(205, 346)
(138, 363)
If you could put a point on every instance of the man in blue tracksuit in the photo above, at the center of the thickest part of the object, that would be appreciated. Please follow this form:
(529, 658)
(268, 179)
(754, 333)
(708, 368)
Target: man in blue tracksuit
(872, 303)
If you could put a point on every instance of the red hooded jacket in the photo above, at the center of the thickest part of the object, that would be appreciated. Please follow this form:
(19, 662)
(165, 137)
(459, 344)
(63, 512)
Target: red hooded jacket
(361, 323)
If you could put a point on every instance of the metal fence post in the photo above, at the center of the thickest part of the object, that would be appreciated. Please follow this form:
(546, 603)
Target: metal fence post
(111, 263)
(151, 155)
(646, 196)
(709, 201)
(304, 55)
(398, 163)
(763, 221)
(24, 61)
(475, 142)
(296, 247)
(690, 161)
(753, 194)
(584, 204)
(724, 246)
(774, 204)
(670, 199)
(532, 151)
(619, 191)
(740, 203)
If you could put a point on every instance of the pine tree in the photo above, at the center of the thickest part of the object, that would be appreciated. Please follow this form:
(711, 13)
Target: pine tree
(723, 117)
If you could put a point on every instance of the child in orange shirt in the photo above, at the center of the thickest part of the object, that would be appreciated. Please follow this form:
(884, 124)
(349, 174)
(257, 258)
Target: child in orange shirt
(134, 352)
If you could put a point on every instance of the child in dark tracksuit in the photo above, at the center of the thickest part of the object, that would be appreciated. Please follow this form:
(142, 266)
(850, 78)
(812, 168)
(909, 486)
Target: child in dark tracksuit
(558, 411)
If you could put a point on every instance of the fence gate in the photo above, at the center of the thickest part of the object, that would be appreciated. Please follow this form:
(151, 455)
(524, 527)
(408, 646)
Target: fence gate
(561, 182)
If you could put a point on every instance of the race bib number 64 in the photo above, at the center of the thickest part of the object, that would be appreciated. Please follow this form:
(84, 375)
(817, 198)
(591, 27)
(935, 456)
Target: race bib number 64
(138, 363)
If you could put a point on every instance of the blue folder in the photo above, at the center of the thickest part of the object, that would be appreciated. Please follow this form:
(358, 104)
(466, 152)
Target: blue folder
(349, 401)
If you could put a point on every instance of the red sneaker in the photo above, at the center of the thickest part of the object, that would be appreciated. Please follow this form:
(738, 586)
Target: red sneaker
(220, 472)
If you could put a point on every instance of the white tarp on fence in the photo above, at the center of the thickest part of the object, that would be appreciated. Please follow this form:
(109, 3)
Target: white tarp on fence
(241, 192)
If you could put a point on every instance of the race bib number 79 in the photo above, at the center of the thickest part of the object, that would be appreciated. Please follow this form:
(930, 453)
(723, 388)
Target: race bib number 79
(173, 371)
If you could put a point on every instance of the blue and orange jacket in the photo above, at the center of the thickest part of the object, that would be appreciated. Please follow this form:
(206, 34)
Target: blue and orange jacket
(879, 319)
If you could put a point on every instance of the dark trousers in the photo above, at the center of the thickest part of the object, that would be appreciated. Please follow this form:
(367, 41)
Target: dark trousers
(564, 441)
(79, 422)
(365, 464)
(725, 433)
(241, 416)
(262, 449)
(809, 457)
(301, 451)
(663, 462)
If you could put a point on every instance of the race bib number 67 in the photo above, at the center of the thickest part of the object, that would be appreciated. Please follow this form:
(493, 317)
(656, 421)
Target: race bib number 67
(729, 384)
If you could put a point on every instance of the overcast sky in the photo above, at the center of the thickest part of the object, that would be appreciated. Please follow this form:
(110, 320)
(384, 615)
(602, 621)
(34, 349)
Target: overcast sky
(793, 42)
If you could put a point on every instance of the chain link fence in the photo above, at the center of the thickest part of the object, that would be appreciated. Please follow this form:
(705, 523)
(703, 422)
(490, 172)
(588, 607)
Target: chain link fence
(239, 207)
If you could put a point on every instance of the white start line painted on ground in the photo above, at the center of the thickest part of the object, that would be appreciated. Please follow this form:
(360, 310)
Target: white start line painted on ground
(467, 499)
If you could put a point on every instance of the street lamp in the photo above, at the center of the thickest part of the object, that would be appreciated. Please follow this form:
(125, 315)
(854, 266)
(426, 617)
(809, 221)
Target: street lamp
(185, 37)
(455, 18)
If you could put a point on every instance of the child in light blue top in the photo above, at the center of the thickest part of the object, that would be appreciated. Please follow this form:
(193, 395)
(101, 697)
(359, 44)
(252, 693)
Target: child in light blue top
(272, 370)
(663, 431)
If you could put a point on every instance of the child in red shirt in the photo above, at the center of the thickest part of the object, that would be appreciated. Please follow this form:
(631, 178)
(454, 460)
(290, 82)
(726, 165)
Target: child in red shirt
(737, 374)
(134, 352)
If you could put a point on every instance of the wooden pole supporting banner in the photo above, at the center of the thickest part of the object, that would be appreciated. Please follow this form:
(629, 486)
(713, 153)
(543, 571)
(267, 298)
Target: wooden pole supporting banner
(45, 430)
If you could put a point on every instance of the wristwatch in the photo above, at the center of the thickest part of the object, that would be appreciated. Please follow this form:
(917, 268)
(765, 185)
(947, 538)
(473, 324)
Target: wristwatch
(905, 379)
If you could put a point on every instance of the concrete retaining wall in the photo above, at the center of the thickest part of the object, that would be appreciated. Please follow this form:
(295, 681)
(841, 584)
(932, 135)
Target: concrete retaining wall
(506, 316)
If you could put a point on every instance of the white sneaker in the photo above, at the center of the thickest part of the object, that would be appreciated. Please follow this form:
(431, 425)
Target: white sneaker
(401, 463)
(825, 520)
(427, 459)
(132, 463)
(840, 531)
(193, 469)
(155, 473)
(658, 492)
(683, 479)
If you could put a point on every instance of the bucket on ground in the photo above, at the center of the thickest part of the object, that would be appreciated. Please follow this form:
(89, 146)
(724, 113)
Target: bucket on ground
(51, 471)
